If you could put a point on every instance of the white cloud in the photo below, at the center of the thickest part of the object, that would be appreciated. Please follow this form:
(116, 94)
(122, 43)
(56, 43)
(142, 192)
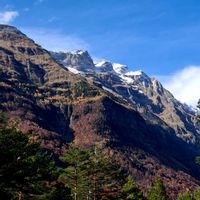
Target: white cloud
(184, 84)
(56, 41)
(8, 16)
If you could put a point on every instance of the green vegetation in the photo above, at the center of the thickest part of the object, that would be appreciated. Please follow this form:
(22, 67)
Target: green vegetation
(83, 89)
(27, 172)
(185, 196)
(91, 175)
(130, 191)
(25, 169)
(157, 192)
(197, 194)
(190, 196)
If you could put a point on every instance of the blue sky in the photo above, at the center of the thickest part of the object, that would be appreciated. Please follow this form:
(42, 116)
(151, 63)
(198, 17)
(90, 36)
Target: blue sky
(159, 37)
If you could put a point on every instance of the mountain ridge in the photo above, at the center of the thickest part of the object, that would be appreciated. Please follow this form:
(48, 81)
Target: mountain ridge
(117, 79)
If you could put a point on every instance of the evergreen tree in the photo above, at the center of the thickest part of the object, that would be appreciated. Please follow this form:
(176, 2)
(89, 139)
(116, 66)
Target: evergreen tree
(185, 196)
(24, 167)
(106, 177)
(91, 175)
(157, 192)
(130, 191)
(75, 175)
(58, 192)
(197, 194)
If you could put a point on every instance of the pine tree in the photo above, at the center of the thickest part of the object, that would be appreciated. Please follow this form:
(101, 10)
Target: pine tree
(106, 177)
(185, 196)
(130, 191)
(91, 175)
(157, 192)
(58, 192)
(75, 175)
(24, 167)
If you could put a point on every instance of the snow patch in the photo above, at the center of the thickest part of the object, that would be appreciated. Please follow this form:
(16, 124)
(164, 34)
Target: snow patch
(126, 79)
(73, 70)
(119, 68)
(134, 73)
(140, 91)
(101, 64)
(80, 52)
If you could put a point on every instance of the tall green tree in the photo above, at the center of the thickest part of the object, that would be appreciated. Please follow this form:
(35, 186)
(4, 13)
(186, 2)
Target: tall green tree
(106, 177)
(75, 175)
(91, 175)
(24, 167)
(185, 196)
(157, 192)
(130, 191)
(57, 192)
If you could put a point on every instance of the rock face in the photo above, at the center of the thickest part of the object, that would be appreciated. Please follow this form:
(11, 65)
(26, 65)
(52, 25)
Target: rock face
(38, 93)
(79, 60)
(146, 94)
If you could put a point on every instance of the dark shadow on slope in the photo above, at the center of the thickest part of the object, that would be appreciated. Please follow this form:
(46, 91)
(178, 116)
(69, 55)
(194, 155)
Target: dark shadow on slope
(130, 130)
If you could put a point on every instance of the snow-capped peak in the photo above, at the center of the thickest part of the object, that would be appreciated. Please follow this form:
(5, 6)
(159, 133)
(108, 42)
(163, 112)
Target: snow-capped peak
(101, 63)
(104, 66)
(80, 52)
(80, 62)
(119, 68)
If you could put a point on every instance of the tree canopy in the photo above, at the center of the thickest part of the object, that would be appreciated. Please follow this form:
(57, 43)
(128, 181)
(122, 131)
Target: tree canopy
(91, 174)
(157, 192)
(24, 167)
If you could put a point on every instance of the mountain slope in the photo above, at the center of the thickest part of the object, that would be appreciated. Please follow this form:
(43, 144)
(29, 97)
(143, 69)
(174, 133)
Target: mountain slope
(146, 94)
(40, 95)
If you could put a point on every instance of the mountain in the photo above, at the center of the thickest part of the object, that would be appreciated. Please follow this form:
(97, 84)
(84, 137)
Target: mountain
(146, 94)
(95, 106)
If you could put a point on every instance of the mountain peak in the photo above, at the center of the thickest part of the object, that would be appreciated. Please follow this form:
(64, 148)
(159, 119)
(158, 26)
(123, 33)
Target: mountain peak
(79, 60)
(9, 30)
(104, 66)
(119, 68)
(8, 27)
(81, 52)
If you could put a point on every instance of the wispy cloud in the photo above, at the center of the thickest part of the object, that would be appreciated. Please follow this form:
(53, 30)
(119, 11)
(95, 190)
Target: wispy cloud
(7, 17)
(55, 40)
(184, 84)
(52, 19)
